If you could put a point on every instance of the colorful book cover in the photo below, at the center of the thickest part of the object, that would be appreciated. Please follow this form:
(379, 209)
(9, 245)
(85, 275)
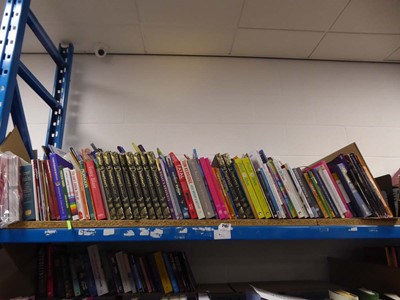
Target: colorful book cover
(95, 190)
(192, 189)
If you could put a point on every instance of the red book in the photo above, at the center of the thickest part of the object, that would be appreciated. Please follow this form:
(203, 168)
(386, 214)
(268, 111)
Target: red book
(54, 211)
(97, 198)
(184, 185)
(50, 276)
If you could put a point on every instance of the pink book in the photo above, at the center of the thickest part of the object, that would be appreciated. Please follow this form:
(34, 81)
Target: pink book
(215, 192)
(333, 188)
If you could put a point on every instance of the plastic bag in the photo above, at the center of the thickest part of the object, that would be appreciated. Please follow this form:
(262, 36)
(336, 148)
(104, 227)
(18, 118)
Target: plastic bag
(10, 189)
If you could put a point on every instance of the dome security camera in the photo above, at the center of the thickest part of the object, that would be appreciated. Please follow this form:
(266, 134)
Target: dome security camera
(100, 50)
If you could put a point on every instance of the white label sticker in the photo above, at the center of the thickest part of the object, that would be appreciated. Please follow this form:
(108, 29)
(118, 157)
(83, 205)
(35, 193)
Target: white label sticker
(108, 231)
(129, 233)
(87, 232)
(222, 234)
(144, 231)
(156, 233)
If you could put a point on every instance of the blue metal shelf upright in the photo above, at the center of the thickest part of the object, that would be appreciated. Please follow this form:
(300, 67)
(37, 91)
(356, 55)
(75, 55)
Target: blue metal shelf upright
(16, 16)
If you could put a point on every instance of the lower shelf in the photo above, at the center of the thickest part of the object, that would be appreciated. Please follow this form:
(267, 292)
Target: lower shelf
(192, 230)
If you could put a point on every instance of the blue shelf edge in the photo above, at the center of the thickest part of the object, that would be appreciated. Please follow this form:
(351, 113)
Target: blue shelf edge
(196, 233)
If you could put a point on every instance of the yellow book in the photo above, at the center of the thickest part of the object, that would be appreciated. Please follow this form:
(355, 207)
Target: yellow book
(252, 197)
(162, 270)
(256, 186)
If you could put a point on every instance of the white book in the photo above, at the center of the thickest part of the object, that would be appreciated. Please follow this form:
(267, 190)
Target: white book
(129, 272)
(70, 193)
(98, 272)
(300, 192)
(119, 256)
(342, 295)
(14, 204)
(192, 189)
(332, 190)
(301, 213)
(78, 194)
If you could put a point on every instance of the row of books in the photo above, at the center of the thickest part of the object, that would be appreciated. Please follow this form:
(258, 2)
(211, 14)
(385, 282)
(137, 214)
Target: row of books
(64, 274)
(96, 184)
(388, 255)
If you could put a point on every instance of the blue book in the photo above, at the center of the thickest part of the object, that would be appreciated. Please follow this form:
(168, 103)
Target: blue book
(271, 195)
(171, 274)
(57, 163)
(136, 274)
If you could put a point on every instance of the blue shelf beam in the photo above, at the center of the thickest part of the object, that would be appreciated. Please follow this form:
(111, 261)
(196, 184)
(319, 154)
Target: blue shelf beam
(42, 36)
(62, 80)
(197, 233)
(35, 84)
(11, 36)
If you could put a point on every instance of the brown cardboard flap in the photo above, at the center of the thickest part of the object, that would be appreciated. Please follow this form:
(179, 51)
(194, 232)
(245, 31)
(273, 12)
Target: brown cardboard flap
(13, 143)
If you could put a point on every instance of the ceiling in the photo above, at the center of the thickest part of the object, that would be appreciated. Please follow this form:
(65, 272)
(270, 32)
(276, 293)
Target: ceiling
(355, 30)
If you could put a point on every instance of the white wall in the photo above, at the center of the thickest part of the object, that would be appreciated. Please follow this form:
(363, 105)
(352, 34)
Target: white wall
(298, 111)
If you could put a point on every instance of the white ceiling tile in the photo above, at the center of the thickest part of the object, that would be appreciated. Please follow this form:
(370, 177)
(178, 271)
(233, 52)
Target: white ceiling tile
(186, 40)
(221, 13)
(85, 12)
(291, 14)
(351, 46)
(275, 43)
(85, 38)
(370, 16)
(395, 55)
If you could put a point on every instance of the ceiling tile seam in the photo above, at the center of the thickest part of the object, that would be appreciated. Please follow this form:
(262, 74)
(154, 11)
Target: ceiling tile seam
(333, 23)
(236, 29)
(281, 29)
(140, 26)
(360, 33)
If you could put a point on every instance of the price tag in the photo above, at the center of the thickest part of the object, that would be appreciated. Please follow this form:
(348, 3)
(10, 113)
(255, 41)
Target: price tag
(223, 232)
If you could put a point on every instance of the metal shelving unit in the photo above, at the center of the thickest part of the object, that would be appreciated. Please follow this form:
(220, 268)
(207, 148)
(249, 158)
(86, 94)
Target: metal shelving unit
(16, 16)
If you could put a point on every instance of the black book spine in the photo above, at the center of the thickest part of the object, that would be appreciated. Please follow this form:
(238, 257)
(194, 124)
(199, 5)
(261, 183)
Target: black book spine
(151, 185)
(239, 189)
(143, 184)
(176, 271)
(69, 291)
(155, 275)
(106, 185)
(155, 173)
(59, 286)
(114, 186)
(129, 186)
(133, 175)
(41, 291)
(231, 188)
(115, 273)
(121, 186)
(188, 270)
(81, 274)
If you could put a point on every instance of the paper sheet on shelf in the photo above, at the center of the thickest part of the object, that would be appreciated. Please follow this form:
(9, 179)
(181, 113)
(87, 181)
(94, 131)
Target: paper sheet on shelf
(273, 296)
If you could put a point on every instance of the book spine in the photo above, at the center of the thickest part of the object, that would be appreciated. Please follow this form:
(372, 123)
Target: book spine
(177, 273)
(256, 186)
(64, 191)
(171, 275)
(129, 272)
(69, 291)
(54, 211)
(162, 270)
(231, 187)
(71, 195)
(89, 275)
(137, 276)
(198, 180)
(78, 195)
(121, 186)
(119, 210)
(143, 184)
(156, 176)
(154, 273)
(42, 192)
(268, 193)
(74, 277)
(115, 273)
(167, 189)
(62, 206)
(184, 186)
(42, 272)
(192, 189)
(98, 272)
(106, 264)
(177, 187)
(249, 188)
(130, 160)
(50, 271)
(90, 209)
(321, 199)
(107, 188)
(150, 185)
(238, 187)
(28, 201)
(325, 193)
(95, 191)
(129, 186)
(305, 191)
(226, 198)
(144, 271)
(123, 272)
